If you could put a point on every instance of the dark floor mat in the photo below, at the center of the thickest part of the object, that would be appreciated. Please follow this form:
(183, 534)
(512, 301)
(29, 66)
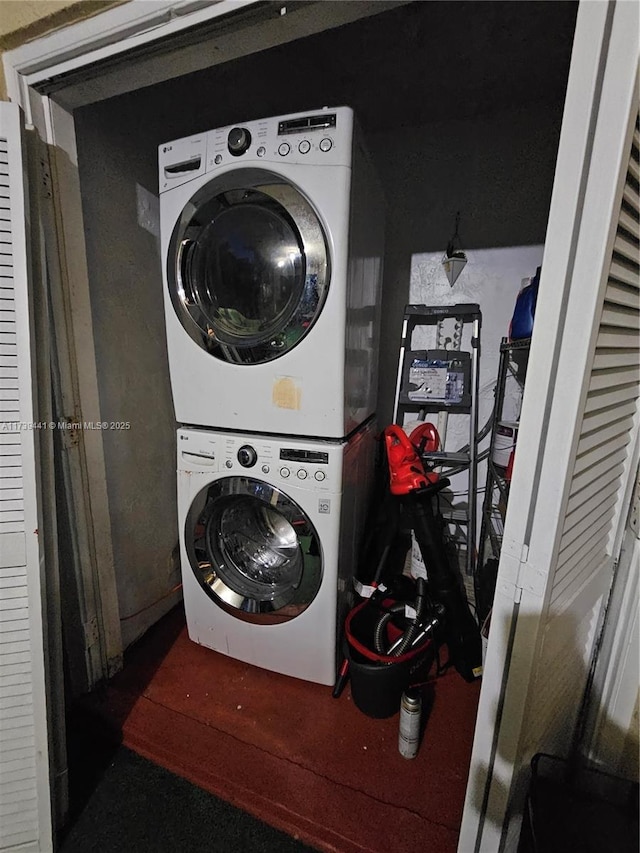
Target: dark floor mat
(138, 807)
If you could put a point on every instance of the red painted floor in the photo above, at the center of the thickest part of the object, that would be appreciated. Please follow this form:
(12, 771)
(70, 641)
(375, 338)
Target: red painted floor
(287, 752)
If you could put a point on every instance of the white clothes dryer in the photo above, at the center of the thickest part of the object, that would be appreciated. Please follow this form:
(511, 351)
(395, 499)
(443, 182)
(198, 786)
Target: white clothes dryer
(272, 240)
(270, 531)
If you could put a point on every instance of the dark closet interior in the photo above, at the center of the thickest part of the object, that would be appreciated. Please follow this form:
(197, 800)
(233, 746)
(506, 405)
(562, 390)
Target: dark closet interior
(461, 106)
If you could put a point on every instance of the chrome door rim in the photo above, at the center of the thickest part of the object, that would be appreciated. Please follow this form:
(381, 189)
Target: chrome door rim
(210, 332)
(213, 565)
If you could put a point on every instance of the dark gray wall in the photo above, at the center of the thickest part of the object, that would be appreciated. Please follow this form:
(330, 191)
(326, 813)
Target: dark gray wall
(461, 105)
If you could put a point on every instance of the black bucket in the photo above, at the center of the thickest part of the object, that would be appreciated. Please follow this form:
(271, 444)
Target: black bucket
(378, 681)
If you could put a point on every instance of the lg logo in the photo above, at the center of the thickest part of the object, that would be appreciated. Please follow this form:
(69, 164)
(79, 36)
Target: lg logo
(166, 148)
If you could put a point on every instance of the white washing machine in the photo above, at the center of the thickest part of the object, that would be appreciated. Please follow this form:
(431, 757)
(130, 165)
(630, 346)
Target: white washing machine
(270, 531)
(272, 239)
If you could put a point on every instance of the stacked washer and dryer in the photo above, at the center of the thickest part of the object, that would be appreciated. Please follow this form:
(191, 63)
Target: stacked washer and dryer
(272, 238)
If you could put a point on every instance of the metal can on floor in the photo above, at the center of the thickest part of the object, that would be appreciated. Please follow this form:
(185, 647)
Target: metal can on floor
(409, 728)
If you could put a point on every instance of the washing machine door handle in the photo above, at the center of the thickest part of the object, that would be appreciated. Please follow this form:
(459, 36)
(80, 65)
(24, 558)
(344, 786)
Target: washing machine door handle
(183, 277)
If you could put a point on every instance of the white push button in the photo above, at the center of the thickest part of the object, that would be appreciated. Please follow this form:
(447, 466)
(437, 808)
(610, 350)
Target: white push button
(265, 469)
(284, 472)
(326, 144)
(261, 151)
(319, 475)
(304, 147)
(284, 149)
(302, 474)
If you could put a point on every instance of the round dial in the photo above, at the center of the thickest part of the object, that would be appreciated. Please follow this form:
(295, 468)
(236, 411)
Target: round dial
(247, 456)
(238, 141)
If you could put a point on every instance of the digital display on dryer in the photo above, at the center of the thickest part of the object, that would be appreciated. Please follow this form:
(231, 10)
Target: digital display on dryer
(317, 456)
(298, 125)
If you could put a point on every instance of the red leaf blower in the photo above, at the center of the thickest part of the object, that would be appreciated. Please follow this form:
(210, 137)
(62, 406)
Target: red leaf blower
(416, 487)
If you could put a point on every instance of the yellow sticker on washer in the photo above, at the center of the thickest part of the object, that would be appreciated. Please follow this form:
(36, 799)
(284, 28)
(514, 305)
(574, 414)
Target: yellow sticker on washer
(286, 393)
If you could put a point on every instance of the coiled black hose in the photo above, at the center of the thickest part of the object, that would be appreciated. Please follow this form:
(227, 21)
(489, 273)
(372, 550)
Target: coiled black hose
(379, 633)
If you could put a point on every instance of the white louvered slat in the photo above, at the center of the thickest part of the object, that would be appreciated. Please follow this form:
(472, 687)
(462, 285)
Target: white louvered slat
(581, 496)
(603, 417)
(16, 678)
(589, 548)
(628, 223)
(610, 336)
(630, 195)
(600, 437)
(606, 358)
(23, 735)
(619, 294)
(585, 572)
(609, 397)
(571, 549)
(580, 561)
(620, 316)
(623, 272)
(584, 522)
(588, 505)
(601, 379)
(625, 247)
(21, 788)
(594, 474)
(634, 164)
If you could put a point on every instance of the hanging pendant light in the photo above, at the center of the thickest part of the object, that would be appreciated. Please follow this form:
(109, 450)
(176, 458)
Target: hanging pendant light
(455, 259)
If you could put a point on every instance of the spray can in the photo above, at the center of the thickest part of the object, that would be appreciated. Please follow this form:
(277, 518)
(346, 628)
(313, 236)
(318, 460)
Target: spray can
(409, 731)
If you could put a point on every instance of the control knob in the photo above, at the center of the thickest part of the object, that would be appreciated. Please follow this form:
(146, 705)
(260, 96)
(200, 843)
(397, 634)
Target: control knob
(238, 141)
(247, 456)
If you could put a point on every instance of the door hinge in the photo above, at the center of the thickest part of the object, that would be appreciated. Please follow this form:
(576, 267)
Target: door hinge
(529, 578)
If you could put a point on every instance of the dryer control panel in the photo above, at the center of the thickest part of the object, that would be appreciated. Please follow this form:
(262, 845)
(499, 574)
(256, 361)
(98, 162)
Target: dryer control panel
(321, 137)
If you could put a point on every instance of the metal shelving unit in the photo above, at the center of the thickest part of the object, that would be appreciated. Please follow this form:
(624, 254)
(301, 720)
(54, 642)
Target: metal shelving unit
(514, 357)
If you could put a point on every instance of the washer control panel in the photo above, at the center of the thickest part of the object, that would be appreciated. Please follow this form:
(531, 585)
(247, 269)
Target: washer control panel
(291, 462)
(295, 465)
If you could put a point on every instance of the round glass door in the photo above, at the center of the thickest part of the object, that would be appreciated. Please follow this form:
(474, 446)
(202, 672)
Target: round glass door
(253, 550)
(248, 267)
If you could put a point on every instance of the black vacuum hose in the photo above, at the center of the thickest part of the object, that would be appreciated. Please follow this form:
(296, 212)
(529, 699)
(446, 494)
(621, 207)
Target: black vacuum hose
(379, 634)
(462, 633)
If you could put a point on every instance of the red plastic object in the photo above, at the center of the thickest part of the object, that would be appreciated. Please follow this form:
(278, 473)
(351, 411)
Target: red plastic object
(425, 437)
(509, 472)
(406, 471)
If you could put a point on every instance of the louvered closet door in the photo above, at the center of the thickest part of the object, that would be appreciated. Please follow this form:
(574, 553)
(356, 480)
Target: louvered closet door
(583, 571)
(578, 438)
(25, 821)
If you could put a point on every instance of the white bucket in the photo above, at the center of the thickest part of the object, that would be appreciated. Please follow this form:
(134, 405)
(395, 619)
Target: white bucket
(504, 442)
